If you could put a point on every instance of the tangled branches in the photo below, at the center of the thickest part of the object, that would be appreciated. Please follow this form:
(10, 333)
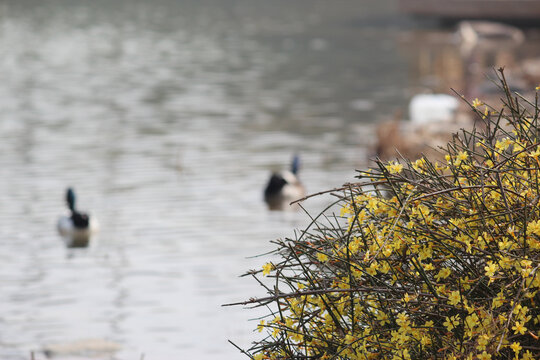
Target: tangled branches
(424, 261)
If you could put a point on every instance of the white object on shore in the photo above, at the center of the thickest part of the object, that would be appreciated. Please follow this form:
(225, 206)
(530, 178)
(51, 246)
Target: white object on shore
(429, 108)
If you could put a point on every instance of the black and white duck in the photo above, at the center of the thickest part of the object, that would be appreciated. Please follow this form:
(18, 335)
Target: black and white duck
(284, 187)
(77, 227)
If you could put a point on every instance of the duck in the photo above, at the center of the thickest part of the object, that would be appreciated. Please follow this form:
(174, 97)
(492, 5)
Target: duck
(77, 227)
(284, 187)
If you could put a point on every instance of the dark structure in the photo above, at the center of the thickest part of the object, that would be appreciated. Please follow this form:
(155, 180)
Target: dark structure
(511, 10)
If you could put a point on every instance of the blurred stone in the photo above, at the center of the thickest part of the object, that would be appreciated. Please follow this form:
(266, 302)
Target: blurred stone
(81, 349)
(531, 68)
(413, 140)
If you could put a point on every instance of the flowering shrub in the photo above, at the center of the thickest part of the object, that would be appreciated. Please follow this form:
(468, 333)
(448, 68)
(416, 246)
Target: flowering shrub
(425, 261)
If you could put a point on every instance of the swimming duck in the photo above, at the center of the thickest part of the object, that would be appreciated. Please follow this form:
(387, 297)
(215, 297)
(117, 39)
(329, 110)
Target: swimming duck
(284, 187)
(78, 227)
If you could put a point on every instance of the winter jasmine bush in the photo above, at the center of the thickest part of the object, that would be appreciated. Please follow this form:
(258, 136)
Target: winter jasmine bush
(425, 260)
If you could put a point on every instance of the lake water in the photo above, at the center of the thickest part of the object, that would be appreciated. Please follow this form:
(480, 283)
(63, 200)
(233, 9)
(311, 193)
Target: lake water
(167, 118)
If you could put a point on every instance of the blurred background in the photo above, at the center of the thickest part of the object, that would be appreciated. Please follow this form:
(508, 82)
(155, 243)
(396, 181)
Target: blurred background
(167, 117)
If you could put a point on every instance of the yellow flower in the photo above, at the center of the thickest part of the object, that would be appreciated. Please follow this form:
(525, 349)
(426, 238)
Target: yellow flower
(394, 167)
(442, 290)
(406, 298)
(519, 328)
(367, 256)
(516, 347)
(443, 274)
(491, 268)
(526, 263)
(504, 243)
(385, 268)
(260, 327)
(405, 354)
(259, 356)
(289, 323)
(481, 144)
(518, 146)
(535, 154)
(451, 322)
(322, 257)
(503, 144)
(419, 164)
(372, 269)
(297, 337)
(476, 103)
(461, 156)
(466, 283)
(454, 298)
(402, 319)
(346, 210)
(526, 267)
(472, 322)
(483, 340)
(425, 341)
(484, 356)
(383, 318)
(534, 227)
(267, 268)
(372, 204)
(498, 300)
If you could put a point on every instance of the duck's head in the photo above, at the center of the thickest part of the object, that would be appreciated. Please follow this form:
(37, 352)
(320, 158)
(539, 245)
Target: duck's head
(70, 199)
(295, 165)
(275, 185)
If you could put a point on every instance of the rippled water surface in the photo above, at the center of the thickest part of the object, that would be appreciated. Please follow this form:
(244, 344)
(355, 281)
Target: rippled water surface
(167, 118)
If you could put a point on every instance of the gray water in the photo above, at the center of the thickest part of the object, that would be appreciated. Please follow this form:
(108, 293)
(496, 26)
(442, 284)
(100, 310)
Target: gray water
(167, 118)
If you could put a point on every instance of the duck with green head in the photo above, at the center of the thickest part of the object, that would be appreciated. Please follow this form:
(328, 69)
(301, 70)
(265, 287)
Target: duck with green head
(77, 227)
(284, 187)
